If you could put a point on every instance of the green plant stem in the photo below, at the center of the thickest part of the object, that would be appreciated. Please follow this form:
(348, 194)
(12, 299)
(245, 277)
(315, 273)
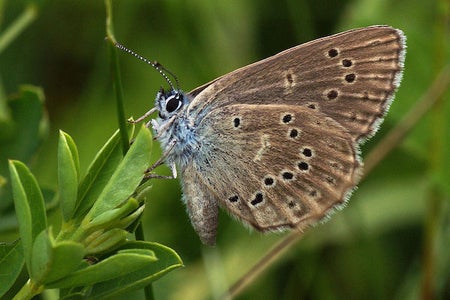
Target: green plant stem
(271, 256)
(432, 221)
(22, 22)
(139, 234)
(148, 292)
(117, 81)
(28, 291)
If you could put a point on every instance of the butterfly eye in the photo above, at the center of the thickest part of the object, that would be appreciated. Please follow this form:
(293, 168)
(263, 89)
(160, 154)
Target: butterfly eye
(173, 104)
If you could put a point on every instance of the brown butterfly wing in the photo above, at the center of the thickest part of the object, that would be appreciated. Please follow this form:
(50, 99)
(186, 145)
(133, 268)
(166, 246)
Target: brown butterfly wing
(279, 138)
(284, 167)
(350, 77)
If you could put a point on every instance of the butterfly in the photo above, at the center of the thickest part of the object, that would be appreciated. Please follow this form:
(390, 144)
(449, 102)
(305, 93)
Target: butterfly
(276, 143)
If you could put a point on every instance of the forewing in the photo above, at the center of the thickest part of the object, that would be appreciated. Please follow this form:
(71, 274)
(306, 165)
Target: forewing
(350, 77)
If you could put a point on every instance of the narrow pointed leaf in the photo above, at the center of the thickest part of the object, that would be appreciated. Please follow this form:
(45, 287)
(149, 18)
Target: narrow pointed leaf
(168, 260)
(115, 266)
(68, 174)
(127, 176)
(67, 256)
(99, 173)
(115, 215)
(52, 261)
(107, 241)
(29, 205)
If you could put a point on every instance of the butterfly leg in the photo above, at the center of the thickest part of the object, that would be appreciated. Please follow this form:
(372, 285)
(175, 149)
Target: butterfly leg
(145, 116)
(160, 161)
(160, 129)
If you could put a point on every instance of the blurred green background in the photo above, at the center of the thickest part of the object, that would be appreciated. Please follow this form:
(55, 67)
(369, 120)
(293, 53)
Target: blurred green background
(396, 226)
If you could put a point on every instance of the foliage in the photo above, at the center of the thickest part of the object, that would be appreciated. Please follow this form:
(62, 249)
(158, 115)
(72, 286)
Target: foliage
(91, 251)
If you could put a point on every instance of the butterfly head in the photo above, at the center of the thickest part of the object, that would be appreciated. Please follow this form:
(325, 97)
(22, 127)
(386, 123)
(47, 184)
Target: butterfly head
(170, 102)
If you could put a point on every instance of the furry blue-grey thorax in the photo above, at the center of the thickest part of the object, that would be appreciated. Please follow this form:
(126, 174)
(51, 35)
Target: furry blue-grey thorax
(174, 126)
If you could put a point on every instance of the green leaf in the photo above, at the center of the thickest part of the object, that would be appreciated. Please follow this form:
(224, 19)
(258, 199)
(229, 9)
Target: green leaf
(11, 263)
(129, 222)
(23, 127)
(29, 205)
(23, 133)
(78, 293)
(99, 173)
(8, 217)
(127, 176)
(40, 257)
(52, 261)
(142, 276)
(107, 241)
(67, 256)
(114, 215)
(117, 265)
(68, 174)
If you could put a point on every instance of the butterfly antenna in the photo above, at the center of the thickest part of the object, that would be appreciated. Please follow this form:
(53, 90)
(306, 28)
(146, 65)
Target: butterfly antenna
(156, 65)
(168, 72)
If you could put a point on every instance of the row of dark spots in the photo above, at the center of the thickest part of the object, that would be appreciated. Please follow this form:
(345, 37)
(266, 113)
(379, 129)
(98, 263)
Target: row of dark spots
(332, 53)
(286, 120)
(346, 63)
(286, 175)
(258, 199)
(269, 181)
(304, 166)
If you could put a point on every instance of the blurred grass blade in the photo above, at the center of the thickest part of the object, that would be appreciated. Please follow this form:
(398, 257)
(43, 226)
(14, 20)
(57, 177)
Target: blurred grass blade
(68, 174)
(117, 84)
(18, 26)
(29, 205)
(117, 80)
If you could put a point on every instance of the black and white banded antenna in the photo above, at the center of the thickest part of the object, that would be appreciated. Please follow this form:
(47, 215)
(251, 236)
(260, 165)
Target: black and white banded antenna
(156, 65)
